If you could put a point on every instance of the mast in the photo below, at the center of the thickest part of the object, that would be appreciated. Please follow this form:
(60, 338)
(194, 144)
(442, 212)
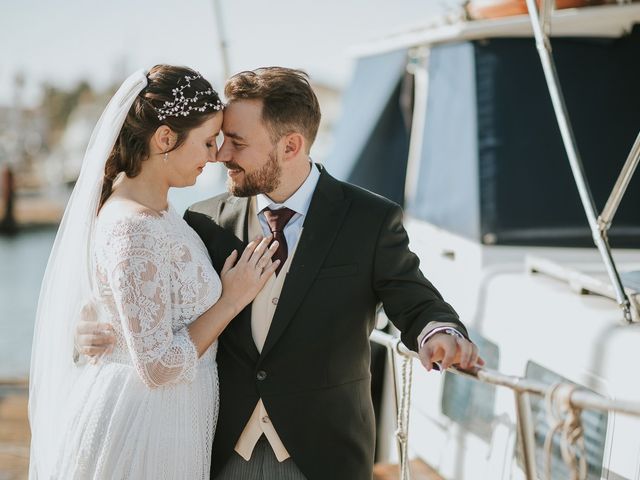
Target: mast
(222, 39)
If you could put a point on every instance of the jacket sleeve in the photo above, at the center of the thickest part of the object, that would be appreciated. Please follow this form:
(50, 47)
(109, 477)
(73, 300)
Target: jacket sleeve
(410, 301)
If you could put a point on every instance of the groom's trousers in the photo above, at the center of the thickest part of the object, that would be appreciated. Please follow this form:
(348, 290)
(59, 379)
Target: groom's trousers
(263, 465)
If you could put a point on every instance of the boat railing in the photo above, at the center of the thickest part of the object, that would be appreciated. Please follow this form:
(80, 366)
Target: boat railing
(566, 400)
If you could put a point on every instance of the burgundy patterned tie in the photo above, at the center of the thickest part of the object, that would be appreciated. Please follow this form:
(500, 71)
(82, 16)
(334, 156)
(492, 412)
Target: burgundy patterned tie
(277, 220)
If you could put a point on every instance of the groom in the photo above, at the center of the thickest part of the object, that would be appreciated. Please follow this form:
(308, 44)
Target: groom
(295, 396)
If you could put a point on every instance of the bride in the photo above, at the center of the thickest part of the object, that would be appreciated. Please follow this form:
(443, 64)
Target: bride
(148, 410)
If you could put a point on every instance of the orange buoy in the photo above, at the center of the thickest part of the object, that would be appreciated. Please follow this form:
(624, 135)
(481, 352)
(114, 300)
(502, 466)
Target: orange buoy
(484, 9)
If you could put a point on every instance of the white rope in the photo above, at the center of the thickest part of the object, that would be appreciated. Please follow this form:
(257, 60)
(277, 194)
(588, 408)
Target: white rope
(402, 433)
(563, 416)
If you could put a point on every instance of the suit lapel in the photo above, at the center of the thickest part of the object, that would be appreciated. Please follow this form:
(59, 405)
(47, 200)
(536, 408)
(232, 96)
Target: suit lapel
(233, 217)
(326, 213)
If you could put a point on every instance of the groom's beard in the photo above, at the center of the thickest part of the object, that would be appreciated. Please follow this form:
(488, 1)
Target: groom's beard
(264, 180)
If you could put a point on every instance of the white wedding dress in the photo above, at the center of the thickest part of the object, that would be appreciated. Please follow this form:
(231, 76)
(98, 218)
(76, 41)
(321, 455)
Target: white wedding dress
(147, 410)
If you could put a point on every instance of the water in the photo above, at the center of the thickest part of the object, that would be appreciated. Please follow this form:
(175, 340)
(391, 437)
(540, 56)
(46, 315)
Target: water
(23, 259)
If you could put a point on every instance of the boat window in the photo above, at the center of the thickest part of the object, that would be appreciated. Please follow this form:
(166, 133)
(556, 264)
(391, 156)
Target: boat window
(471, 403)
(493, 167)
(594, 423)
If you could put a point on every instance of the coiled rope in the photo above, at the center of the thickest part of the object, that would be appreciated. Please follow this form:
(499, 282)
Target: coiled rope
(402, 432)
(564, 417)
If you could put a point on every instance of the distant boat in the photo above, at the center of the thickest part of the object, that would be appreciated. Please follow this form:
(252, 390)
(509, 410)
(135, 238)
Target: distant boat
(8, 224)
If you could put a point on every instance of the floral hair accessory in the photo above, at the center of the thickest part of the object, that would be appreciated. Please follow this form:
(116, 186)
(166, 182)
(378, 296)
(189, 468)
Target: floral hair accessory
(181, 106)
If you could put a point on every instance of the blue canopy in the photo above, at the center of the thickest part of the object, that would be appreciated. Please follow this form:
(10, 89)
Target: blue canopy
(371, 139)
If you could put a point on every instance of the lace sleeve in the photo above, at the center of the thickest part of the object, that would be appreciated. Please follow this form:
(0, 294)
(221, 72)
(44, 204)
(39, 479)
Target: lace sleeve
(139, 277)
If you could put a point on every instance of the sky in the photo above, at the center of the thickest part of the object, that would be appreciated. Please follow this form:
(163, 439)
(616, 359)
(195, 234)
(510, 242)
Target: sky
(64, 41)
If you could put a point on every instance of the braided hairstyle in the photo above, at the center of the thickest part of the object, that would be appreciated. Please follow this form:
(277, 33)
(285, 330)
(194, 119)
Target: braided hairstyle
(132, 145)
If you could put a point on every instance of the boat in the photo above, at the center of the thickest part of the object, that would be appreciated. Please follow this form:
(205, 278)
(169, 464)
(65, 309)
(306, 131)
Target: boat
(502, 156)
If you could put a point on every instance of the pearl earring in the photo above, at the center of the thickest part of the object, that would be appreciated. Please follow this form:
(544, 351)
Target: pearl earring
(166, 156)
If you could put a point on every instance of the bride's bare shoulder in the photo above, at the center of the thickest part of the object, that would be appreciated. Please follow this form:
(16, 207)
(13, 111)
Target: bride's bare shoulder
(122, 209)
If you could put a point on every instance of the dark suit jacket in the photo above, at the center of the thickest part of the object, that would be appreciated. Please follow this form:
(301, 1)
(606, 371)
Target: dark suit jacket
(313, 372)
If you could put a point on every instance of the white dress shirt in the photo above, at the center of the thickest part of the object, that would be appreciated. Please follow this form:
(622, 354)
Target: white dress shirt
(298, 202)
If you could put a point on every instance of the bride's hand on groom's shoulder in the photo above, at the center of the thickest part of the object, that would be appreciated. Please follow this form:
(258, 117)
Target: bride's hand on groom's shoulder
(93, 339)
(243, 278)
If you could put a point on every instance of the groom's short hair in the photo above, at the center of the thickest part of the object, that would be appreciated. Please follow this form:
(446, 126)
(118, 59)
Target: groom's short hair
(289, 104)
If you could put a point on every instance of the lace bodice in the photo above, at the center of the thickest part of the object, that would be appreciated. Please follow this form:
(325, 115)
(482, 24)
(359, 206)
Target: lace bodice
(154, 277)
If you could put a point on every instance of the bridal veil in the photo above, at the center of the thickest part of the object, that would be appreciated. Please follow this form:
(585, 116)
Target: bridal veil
(67, 286)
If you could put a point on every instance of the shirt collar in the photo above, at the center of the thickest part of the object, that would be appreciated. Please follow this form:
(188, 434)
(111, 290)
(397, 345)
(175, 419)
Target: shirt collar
(298, 202)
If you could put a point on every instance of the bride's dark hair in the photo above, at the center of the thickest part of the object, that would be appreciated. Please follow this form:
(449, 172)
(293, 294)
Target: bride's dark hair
(149, 111)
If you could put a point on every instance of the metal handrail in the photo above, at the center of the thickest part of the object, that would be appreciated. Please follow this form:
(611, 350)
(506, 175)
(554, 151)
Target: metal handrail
(522, 387)
(580, 398)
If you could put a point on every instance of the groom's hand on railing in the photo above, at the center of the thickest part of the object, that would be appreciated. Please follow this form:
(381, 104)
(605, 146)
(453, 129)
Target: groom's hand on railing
(92, 338)
(446, 350)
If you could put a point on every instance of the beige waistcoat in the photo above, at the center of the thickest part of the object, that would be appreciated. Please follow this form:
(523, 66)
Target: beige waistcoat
(262, 311)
